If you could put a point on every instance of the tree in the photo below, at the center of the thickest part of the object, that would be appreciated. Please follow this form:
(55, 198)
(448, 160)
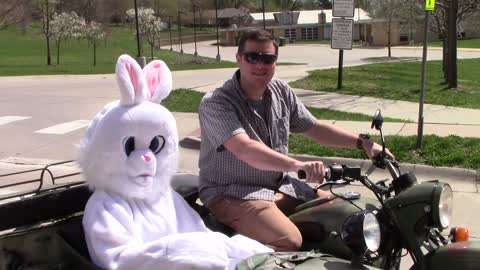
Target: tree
(466, 8)
(387, 10)
(63, 25)
(93, 32)
(324, 4)
(47, 7)
(150, 25)
(13, 12)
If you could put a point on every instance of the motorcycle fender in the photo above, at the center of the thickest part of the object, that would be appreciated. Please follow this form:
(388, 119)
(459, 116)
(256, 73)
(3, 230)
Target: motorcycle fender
(458, 256)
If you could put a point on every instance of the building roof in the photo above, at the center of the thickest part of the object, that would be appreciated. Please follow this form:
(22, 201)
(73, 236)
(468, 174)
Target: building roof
(231, 12)
(311, 16)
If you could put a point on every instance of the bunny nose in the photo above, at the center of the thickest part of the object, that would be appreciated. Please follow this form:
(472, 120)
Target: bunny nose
(147, 157)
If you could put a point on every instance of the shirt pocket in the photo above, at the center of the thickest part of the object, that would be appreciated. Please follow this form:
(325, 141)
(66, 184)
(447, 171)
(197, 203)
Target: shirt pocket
(280, 130)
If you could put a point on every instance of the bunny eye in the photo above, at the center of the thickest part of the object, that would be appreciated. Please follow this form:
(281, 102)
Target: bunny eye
(157, 143)
(129, 145)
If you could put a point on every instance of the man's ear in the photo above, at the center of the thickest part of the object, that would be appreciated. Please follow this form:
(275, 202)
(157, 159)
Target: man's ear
(239, 57)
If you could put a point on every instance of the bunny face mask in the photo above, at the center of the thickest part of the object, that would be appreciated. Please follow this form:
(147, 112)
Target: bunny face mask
(134, 219)
(130, 147)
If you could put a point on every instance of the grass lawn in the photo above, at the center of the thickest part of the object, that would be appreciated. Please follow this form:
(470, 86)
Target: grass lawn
(401, 81)
(452, 151)
(27, 55)
(461, 43)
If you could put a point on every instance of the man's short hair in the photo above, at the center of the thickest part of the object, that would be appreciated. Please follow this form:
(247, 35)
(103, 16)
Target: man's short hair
(257, 36)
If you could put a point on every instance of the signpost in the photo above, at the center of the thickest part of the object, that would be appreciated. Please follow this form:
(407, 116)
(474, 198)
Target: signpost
(342, 31)
(342, 34)
(343, 8)
(429, 6)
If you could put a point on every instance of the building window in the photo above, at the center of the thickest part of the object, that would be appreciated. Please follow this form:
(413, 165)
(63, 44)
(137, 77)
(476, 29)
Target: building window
(309, 33)
(291, 34)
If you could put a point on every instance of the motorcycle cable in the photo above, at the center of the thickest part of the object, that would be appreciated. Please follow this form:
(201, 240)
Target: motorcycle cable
(344, 198)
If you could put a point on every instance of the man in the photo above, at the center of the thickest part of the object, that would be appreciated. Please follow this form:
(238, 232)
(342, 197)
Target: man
(243, 155)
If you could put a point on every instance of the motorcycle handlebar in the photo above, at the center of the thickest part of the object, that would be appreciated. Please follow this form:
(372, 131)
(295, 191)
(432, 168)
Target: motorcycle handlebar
(336, 172)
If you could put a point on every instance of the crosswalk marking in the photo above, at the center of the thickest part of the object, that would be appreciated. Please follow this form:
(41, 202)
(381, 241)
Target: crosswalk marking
(8, 119)
(65, 127)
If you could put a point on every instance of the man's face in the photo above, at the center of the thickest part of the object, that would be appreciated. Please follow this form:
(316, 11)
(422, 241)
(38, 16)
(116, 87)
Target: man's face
(259, 73)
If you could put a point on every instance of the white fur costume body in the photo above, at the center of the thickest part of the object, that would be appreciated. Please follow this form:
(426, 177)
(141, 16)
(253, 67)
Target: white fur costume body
(134, 219)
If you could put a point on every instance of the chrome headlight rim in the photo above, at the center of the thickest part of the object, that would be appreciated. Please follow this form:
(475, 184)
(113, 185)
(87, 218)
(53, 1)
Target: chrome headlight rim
(361, 232)
(442, 206)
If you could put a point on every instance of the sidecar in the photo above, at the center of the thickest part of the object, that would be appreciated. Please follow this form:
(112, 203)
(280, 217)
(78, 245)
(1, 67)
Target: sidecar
(41, 224)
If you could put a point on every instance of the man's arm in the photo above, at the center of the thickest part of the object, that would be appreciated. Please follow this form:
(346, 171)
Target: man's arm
(331, 135)
(260, 156)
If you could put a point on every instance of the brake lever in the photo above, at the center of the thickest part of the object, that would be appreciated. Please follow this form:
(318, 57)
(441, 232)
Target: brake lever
(331, 183)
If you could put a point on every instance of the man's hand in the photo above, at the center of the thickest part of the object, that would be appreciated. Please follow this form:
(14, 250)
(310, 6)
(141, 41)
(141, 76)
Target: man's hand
(373, 149)
(315, 171)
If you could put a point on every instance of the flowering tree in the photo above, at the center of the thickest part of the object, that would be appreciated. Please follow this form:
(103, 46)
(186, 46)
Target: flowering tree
(93, 32)
(150, 25)
(63, 25)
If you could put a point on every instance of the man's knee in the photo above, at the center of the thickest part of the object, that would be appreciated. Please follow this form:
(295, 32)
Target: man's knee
(290, 242)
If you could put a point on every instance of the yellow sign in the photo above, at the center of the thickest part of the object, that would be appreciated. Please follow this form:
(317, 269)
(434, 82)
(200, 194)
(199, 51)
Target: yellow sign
(429, 5)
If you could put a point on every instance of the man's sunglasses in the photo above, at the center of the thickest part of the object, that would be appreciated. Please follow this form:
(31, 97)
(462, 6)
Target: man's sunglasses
(254, 57)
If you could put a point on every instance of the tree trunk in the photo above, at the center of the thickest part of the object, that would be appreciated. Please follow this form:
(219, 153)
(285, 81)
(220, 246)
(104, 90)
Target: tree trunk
(94, 53)
(151, 50)
(58, 51)
(389, 42)
(445, 58)
(49, 54)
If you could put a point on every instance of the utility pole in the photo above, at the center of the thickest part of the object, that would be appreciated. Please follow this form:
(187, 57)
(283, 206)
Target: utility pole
(194, 6)
(180, 30)
(141, 60)
(216, 25)
(263, 10)
(170, 31)
(47, 32)
(452, 44)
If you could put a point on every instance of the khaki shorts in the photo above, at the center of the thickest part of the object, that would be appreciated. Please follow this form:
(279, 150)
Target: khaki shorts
(264, 221)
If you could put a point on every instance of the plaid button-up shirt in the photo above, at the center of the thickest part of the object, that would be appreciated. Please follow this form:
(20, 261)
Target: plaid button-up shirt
(226, 111)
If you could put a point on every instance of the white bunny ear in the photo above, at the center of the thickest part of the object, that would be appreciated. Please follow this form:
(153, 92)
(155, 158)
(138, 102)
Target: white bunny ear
(159, 80)
(131, 81)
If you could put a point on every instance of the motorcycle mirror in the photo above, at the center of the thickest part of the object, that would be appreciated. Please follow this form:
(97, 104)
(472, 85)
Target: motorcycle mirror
(377, 121)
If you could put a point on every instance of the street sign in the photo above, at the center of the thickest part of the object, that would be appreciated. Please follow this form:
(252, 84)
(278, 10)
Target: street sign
(429, 5)
(342, 34)
(344, 8)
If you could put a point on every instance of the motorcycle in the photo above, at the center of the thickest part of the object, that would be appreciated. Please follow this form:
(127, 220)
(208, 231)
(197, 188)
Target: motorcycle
(41, 228)
(405, 216)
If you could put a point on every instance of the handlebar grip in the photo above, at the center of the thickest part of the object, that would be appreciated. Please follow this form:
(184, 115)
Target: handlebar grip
(301, 174)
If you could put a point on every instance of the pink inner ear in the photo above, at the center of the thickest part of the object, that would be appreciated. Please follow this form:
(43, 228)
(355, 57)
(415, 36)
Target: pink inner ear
(133, 76)
(153, 76)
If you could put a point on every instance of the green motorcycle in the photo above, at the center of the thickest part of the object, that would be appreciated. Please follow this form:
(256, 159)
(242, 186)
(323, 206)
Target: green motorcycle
(407, 217)
(41, 228)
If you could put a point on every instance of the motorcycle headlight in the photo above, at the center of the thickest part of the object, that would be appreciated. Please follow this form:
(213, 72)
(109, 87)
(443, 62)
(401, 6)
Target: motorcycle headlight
(361, 232)
(442, 206)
